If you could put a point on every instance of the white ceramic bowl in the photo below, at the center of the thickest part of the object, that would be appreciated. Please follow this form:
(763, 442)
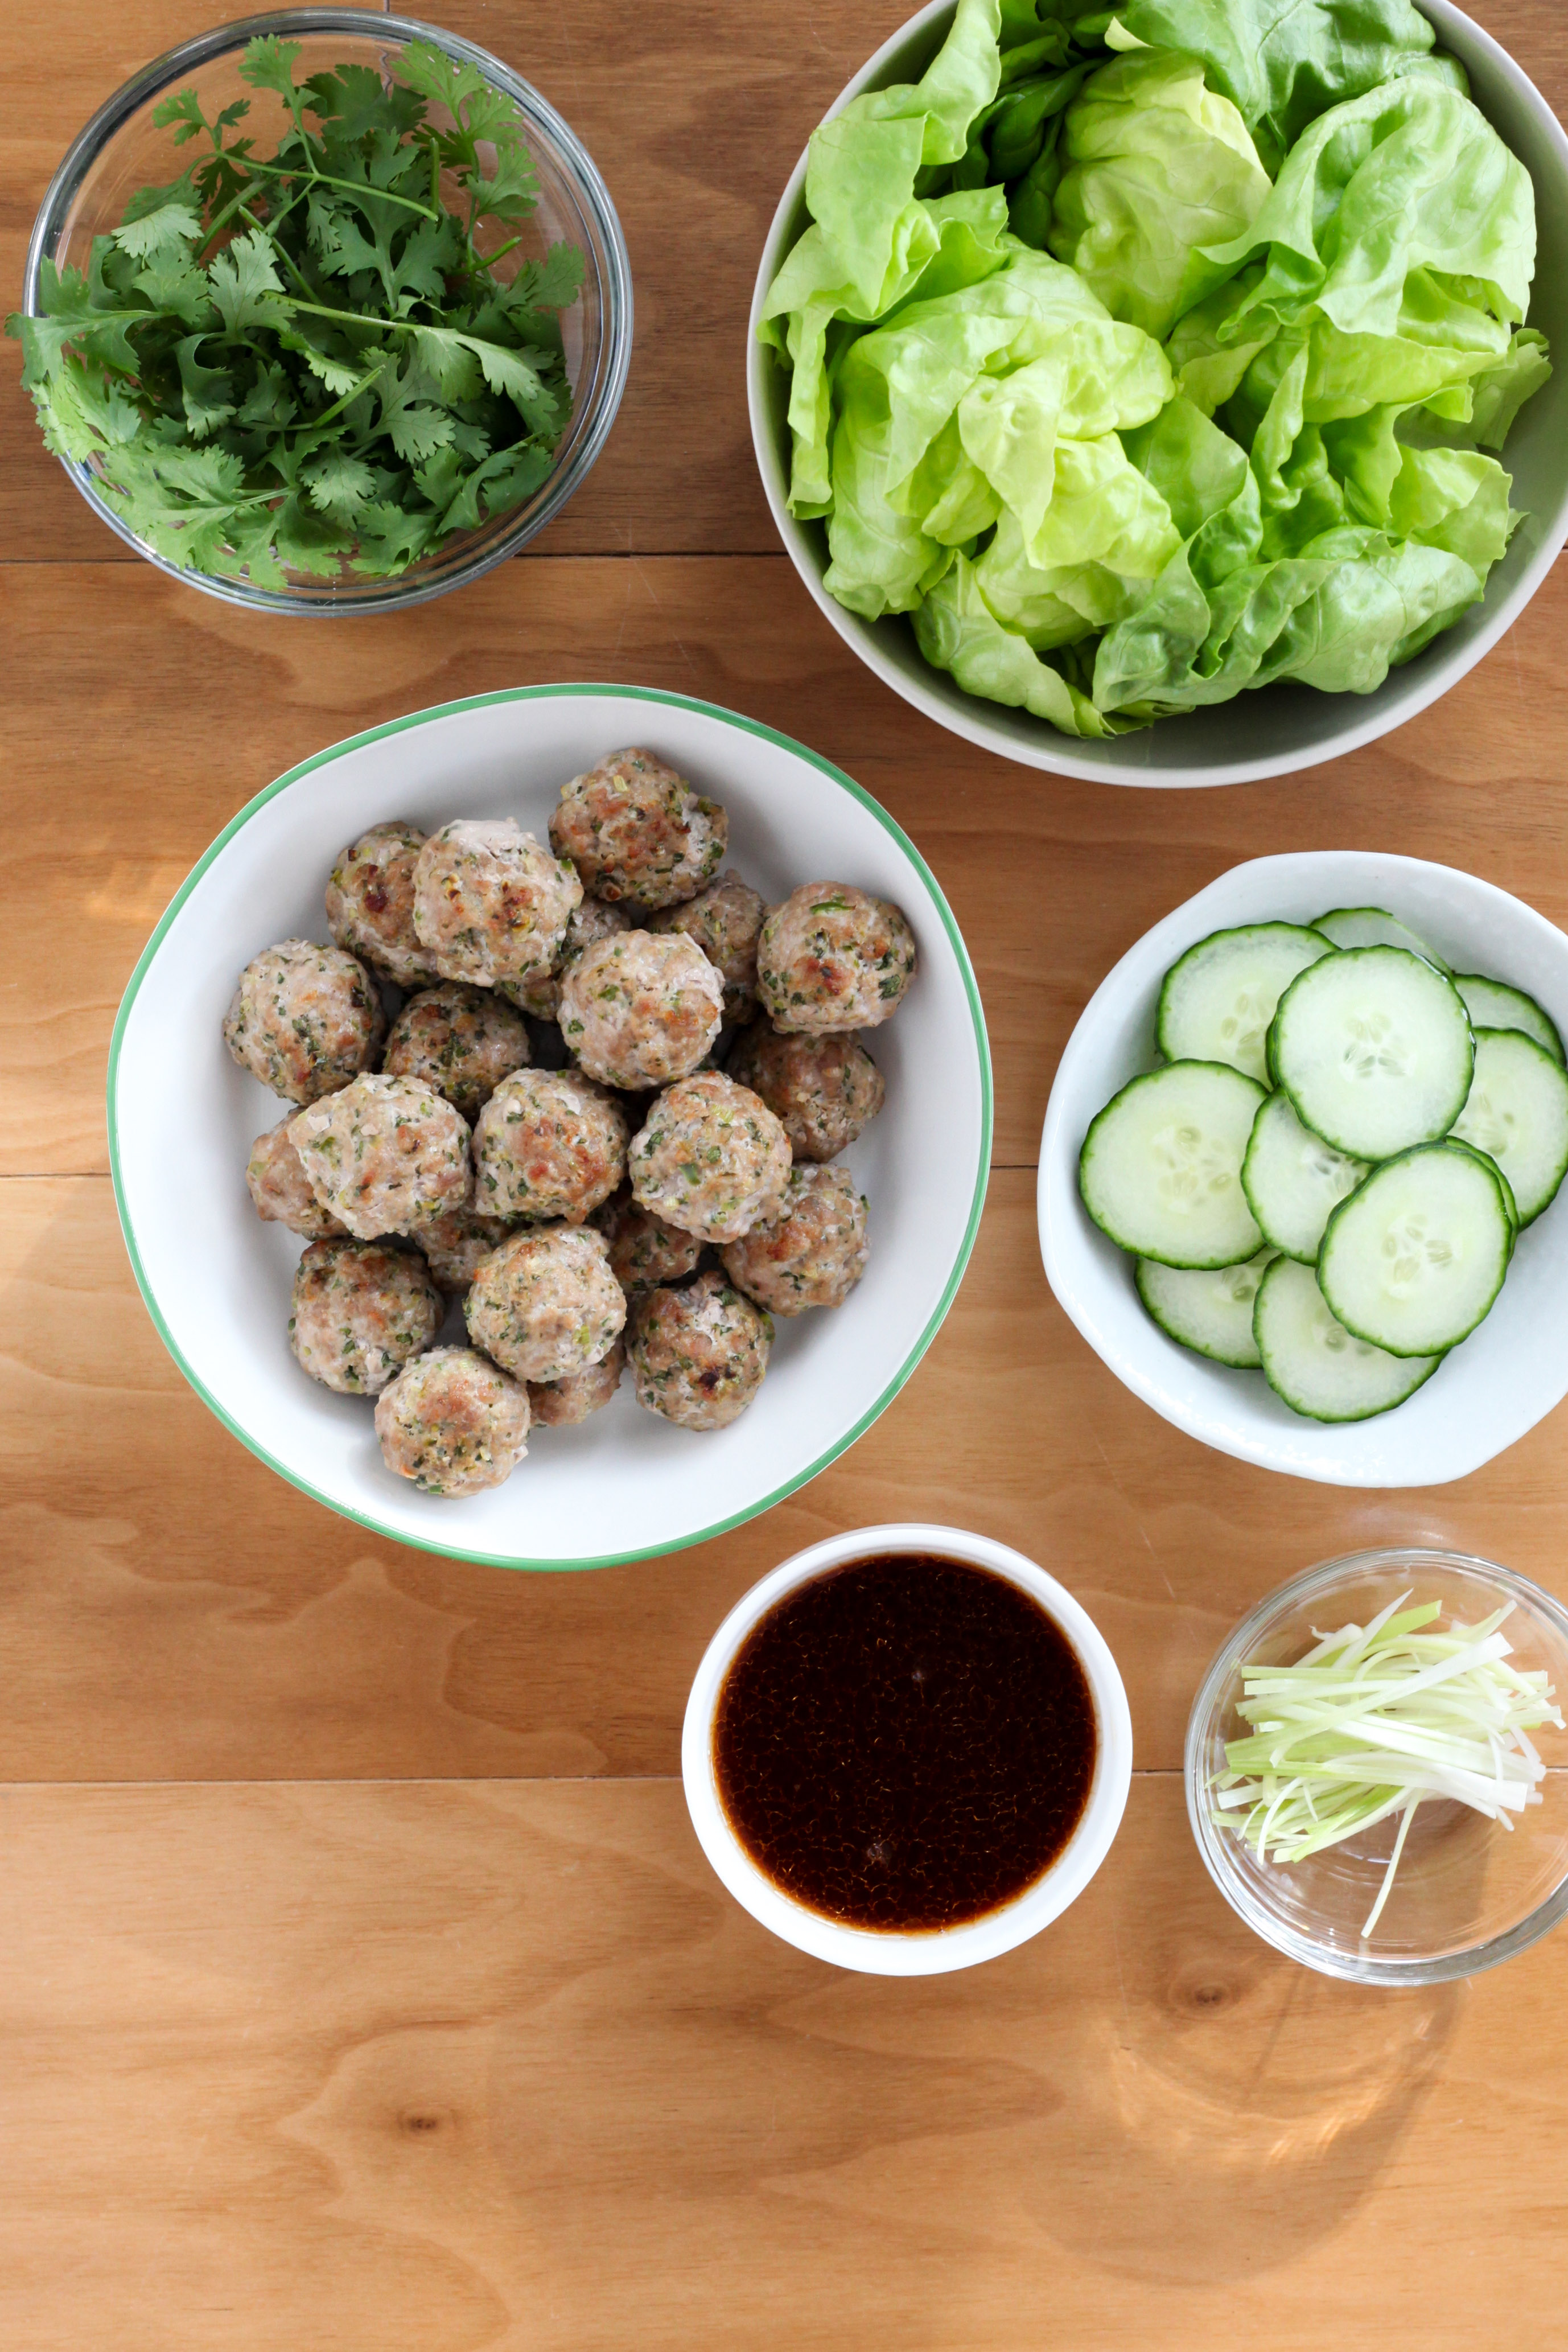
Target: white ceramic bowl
(1280, 728)
(1505, 1376)
(938, 1953)
(181, 1118)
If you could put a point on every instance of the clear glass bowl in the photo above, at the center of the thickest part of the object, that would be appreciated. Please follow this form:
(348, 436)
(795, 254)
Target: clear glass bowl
(1468, 1892)
(121, 151)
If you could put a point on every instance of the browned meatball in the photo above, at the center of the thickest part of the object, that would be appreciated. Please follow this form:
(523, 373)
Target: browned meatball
(832, 957)
(540, 993)
(827, 1090)
(384, 1156)
(455, 1245)
(643, 1250)
(812, 1253)
(360, 1311)
(698, 1355)
(549, 1143)
(562, 1404)
(490, 904)
(454, 1423)
(546, 1304)
(370, 902)
(634, 829)
(638, 1010)
(281, 1189)
(303, 1020)
(725, 921)
(462, 1041)
(711, 1158)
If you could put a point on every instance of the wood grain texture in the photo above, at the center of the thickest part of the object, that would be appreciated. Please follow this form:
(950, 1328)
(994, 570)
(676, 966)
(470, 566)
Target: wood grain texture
(500, 2066)
(387, 2001)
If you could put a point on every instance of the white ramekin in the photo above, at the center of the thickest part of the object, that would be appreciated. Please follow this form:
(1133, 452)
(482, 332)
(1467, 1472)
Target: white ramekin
(937, 1952)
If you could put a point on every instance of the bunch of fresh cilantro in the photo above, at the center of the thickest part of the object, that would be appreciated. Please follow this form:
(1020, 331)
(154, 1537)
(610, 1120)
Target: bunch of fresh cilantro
(286, 364)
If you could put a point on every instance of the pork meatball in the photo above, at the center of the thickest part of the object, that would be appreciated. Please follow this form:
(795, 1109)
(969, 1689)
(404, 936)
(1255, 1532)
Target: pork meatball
(545, 1304)
(452, 1423)
(562, 1404)
(384, 1155)
(540, 994)
(827, 1090)
(490, 904)
(639, 1011)
(455, 1244)
(462, 1041)
(698, 1355)
(360, 1311)
(712, 1159)
(281, 1189)
(369, 903)
(725, 921)
(303, 1020)
(633, 829)
(832, 958)
(643, 1250)
(549, 1143)
(812, 1254)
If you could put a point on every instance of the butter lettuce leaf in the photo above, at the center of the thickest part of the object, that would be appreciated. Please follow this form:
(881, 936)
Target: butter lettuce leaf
(1158, 167)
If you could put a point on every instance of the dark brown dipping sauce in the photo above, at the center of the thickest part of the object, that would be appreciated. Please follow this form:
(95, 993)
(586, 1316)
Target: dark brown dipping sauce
(905, 1742)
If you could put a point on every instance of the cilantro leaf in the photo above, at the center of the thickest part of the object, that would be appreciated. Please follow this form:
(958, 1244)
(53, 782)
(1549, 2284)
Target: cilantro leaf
(163, 232)
(268, 64)
(339, 483)
(241, 278)
(209, 393)
(356, 102)
(180, 110)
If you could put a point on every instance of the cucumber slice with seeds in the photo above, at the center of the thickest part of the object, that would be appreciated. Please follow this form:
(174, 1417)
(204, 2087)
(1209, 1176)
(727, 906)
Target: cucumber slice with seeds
(1492, 1005)
(1217, 999)
(1414, 1259)
(1210, 1313)
(1373, 927)
(1374, 1047)
(1516, 1114)
(1160, 1170)
(1317, 1366)
(1293, 1180)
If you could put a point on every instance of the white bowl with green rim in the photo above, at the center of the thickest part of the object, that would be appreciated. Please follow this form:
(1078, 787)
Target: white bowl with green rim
(182, 1119)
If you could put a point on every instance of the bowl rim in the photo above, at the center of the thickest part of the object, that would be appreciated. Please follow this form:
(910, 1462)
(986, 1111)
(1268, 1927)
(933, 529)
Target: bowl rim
(665, 698)
(1057, 1173)
(940, 1951)
(603, 393)
(1311, 1583)
(1043, 753)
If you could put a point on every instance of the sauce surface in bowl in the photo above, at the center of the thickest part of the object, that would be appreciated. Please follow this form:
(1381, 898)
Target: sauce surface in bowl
(905, 1742)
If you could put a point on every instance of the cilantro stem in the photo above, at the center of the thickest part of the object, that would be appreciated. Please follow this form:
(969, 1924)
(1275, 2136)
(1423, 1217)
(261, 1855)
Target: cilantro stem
(353, 187)
(281, 250)
(490, 259)
(314, 424)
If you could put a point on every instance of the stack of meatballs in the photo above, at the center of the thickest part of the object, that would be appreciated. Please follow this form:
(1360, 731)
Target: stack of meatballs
(545, 1129)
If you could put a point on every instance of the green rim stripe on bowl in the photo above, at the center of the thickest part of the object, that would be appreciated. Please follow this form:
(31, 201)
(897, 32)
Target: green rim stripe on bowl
(423, 718)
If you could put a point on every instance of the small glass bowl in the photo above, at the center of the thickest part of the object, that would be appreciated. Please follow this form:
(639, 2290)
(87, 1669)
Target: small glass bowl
(1468, 1892)
(121, 150)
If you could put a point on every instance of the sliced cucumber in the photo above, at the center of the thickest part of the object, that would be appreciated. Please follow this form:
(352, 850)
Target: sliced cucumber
(1293, 1180)
(1209, 1312)
(1160, 1170)
(1518, 1115)
(1317, 1366)
(1373, 927)
(1511, 1206)
(1414, 1259)
(1374, 1047)
(1492, 1005)
(1217, 999)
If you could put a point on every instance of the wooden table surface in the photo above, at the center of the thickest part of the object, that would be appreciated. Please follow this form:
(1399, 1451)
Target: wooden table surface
(361, 1984)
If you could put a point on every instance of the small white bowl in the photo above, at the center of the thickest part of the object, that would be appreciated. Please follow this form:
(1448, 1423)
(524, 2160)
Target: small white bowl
(1501, 1381)
(943, 1950)
(1279, 728)
(182, 1119)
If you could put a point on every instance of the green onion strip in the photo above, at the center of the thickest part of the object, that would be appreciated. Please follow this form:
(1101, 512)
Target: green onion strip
(1373, 1721)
